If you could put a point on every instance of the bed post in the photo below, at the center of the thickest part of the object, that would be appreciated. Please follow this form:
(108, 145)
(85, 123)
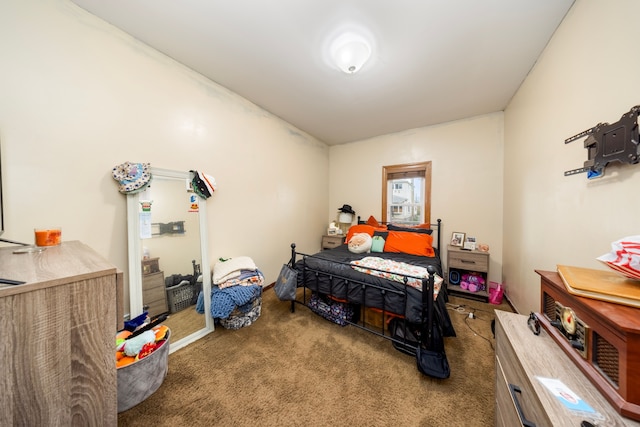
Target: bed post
(439, 233)
(292, 261)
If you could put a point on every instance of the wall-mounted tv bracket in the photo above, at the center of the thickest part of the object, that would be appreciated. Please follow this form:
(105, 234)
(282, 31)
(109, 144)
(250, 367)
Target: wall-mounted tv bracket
(609, 142)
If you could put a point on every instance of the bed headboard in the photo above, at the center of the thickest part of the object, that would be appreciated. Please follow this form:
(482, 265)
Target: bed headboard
(436, 227)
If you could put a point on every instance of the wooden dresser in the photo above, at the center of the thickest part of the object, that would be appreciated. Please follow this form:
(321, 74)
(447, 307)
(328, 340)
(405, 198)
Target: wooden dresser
(154, 290)
(521, 357)
(57, 360)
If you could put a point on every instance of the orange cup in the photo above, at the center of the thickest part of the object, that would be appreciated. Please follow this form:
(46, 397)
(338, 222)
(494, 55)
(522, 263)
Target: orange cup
(48, 236)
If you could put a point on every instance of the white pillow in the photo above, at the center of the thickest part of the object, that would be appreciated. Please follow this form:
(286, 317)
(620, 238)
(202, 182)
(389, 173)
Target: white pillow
(360, 243)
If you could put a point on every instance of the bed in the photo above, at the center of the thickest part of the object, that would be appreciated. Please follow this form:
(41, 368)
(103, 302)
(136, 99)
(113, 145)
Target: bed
(406, 302)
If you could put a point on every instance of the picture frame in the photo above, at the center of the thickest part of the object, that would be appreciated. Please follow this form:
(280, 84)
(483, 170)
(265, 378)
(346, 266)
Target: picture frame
(469, 244)
(457, 239)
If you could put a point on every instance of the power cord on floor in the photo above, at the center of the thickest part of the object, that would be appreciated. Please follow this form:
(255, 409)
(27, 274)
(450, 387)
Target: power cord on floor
(469, 313)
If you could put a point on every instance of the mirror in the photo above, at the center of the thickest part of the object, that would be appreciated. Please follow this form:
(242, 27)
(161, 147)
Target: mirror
(168, 254)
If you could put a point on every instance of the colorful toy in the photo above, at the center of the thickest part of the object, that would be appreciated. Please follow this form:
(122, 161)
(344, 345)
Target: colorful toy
(360, 243)
(130, 350)
(132, 346)
(473, 282)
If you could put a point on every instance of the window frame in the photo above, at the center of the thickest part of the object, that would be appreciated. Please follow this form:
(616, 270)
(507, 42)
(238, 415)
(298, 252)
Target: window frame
(411, 169)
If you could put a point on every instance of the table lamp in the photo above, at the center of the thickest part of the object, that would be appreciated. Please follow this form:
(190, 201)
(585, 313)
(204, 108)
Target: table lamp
(345, 218)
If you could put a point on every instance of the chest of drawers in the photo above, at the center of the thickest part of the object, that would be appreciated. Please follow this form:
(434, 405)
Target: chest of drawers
(521, 359)
(154, 291)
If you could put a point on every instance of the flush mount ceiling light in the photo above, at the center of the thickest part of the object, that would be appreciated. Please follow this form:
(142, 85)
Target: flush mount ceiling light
(350, 51)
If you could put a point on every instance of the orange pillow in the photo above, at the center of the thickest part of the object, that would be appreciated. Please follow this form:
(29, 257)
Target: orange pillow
(373, 222)
(358, 228)
(409, 243)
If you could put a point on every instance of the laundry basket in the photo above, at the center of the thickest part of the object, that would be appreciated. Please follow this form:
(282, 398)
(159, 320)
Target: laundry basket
(140, 379)
(181, 296)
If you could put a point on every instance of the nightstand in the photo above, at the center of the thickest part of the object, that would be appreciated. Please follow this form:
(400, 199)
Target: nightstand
(460, 262)
(332, 241)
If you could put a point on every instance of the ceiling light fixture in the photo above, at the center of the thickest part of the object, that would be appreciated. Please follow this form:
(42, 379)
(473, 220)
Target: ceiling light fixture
(350, 51)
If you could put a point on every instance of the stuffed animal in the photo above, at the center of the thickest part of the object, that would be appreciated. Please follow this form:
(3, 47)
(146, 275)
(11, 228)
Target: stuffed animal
(473, 282)
(132, 346)
(360, 243)
(129, 350)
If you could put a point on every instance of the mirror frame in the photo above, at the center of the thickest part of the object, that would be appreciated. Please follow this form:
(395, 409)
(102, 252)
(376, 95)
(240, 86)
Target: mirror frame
(135, 259)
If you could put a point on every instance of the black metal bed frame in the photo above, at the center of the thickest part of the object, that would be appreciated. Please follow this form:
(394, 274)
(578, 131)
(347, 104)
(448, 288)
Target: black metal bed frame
(402, 343)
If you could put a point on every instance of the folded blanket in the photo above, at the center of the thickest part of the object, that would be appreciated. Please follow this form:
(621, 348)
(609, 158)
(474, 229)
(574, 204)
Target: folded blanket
(397, 271)
(246, 278)
(231, 268)
(224, 301)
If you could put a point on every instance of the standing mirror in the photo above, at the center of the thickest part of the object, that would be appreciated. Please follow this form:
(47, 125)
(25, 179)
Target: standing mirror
(168, 255)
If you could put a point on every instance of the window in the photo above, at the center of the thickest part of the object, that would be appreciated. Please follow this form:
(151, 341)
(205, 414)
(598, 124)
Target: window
(406, 193)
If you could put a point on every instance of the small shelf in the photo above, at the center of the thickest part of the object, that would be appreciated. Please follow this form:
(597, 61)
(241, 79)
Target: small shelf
(456, 290)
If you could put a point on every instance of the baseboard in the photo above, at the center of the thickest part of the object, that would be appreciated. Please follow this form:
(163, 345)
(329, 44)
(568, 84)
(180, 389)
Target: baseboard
(513, 308)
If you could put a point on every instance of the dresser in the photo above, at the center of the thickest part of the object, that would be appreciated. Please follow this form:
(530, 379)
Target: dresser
(57, 363)
(521, 398)
(154, 289)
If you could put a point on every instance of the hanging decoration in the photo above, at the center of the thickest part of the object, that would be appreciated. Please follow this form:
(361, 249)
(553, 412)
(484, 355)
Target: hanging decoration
(132, 177)
(203, 184)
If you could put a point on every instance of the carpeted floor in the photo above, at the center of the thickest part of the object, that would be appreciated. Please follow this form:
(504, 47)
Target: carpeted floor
(297, 369)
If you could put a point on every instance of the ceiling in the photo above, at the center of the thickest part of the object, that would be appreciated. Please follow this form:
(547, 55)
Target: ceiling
(432, 61)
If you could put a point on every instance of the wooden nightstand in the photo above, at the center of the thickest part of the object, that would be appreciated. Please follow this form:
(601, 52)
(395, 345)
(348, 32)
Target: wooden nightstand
(332, 241)
(459, 262)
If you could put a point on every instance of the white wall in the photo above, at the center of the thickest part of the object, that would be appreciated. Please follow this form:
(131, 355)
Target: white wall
(466, 188)
(78, 96)
(587, 74)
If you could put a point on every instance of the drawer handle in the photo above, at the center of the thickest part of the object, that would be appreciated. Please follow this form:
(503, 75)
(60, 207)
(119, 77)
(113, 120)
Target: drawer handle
(466, 261)
(515, 389)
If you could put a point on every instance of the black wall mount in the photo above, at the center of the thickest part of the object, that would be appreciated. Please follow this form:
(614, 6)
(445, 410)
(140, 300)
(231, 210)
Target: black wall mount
(606, 143)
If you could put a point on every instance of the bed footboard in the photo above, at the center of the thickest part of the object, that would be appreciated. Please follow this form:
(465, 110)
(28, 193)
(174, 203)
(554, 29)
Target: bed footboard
(406, 315)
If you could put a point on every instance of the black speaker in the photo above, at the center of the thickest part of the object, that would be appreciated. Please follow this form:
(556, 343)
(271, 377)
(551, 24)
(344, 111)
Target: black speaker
(454, 277)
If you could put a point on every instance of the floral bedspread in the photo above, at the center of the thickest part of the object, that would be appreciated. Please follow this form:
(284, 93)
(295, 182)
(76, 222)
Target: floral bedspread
(395, 270)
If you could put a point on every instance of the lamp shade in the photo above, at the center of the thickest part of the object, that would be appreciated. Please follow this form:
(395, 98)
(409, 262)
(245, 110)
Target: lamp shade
(345, 218)
(350, 52)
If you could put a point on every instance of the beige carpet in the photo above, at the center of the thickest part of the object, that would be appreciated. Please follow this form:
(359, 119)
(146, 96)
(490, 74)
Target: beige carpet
(184, 322)
(297, 369)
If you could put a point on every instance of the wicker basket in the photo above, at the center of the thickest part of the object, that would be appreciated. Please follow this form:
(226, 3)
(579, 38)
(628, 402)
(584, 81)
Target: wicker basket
(180, 296)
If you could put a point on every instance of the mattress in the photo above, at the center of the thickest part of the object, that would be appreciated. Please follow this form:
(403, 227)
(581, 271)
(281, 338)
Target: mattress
(329, 272)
